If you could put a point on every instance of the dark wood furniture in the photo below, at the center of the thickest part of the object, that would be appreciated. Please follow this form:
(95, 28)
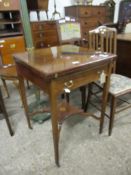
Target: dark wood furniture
(10, 45)
(89, 16)
(44, 34)
(124, 54)
(3, 110)
(73, 67)
(11, 32)
(38, 5)
(124, 16)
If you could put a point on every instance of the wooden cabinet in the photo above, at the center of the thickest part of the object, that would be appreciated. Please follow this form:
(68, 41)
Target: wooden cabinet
(10, 23)
(37, 4)
(11, 32)
(9, 46)
(89, 16)
(9, 5)
(44, 34)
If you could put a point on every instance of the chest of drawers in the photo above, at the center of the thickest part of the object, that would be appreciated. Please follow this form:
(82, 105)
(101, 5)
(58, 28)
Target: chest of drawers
(89, 16)
(44, 34)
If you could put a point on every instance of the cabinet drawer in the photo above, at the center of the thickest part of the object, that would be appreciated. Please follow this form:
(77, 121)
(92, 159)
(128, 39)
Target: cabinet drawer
(50, 25)
(37, 26)
(99, 12)
(85, 12)
(7, 59)
(39, 44)
(38, 35)
(12, 45)
(53, 40)
(9, 5)
(89, 22)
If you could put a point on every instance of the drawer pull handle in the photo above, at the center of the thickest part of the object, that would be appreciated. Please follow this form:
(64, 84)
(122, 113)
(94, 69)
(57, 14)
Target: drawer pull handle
(41, 35)
(86, 13)
(40, 27)
(68, 84)
(6, 4)
(12, 46)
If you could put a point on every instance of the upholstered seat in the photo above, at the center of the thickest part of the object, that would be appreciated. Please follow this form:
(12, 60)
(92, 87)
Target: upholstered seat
(119, 84)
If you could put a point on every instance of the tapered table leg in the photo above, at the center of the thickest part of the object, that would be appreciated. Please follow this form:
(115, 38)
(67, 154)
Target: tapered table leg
(55, 130)
(24, 99)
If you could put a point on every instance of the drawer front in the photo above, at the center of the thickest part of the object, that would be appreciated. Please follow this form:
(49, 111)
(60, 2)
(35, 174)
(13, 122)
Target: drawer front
(98, 12)
(9, 5)
(50, 25)
(38, 35)
(90, 22)
(39, 44)
(85, 12)
(7, 59)
(51, 41)
(12, 45)
(37, 26)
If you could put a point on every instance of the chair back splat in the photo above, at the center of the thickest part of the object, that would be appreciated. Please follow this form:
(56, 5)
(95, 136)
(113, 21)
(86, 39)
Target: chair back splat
(103, 39)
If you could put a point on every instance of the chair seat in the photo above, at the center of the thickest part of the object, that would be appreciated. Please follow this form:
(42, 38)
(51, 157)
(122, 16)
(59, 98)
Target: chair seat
(119, 84)
(8, 72)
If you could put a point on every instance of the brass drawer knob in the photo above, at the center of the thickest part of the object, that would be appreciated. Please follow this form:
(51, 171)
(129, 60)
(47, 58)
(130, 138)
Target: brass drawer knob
(6, 4)
(69, 84)
(12, 46)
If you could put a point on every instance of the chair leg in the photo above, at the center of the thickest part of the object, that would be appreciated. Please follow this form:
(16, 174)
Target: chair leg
(88, 97)
(83, 96)
(5, 86)
(112, 114)
(2, 106)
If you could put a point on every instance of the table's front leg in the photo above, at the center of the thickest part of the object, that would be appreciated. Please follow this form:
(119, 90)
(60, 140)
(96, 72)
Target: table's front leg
(54, 120)
(24, 99)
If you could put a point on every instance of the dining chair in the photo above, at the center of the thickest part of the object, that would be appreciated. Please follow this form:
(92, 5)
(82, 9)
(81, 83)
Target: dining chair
(9, 73)
(69, 32)
(3, 110)
(103, 39)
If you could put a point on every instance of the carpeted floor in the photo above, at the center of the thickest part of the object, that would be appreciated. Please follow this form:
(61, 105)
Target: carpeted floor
(82, 150)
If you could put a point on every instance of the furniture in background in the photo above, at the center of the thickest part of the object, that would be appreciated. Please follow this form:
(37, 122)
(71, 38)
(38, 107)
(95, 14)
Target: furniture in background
(11, 39)
(89, 16)
(44, 33)
(69, 71)
(123, 65)
(123, 17)
(38, 5)
(11, 32)
(104, 39)
(3, 110)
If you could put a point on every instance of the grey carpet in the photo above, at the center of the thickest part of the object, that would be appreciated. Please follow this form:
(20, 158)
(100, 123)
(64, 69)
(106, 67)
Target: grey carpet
(83, 151)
